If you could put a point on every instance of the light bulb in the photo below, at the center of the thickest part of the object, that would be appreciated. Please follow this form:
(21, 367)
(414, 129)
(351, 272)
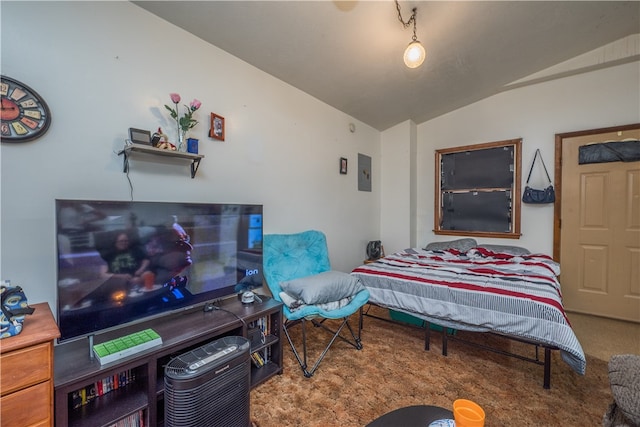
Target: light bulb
(414, 54)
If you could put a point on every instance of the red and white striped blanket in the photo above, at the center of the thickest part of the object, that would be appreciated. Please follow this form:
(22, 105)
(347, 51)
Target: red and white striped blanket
(479, 290)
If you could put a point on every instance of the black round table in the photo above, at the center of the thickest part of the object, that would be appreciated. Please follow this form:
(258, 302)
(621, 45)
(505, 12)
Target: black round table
(418, 416)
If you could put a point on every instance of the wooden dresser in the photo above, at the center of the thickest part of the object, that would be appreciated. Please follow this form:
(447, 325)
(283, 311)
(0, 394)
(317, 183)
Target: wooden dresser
(26, 372)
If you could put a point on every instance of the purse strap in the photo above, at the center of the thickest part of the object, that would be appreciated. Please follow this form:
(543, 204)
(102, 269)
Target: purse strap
(543, 165)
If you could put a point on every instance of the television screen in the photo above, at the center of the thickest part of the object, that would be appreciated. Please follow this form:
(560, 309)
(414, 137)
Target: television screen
(120, 262)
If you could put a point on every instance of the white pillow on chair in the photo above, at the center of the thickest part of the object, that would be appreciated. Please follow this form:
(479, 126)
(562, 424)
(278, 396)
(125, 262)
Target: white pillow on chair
(321, 288)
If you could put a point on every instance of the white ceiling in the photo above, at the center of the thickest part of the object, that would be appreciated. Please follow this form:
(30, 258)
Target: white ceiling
(349, 53)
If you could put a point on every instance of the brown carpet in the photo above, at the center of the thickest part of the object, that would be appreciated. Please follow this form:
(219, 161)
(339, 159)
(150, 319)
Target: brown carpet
(352, 388)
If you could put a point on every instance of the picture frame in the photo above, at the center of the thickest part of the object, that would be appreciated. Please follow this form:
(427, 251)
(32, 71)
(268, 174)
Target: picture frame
(217, 127)
(343, 165)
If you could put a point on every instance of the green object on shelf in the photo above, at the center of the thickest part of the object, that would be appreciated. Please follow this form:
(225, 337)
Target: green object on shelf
(118, 348)
(399, 316)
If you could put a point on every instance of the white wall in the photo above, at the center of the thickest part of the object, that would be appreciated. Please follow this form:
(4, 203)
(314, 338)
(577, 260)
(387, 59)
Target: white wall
(397, 211)
(603, 98)
(103, 67)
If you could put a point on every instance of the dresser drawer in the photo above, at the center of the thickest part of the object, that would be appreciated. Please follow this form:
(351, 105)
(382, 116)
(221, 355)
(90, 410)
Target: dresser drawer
(28, 407)
(25, 367)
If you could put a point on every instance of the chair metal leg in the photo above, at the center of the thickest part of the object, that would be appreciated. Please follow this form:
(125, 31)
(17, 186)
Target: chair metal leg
(302, 359)
(356, 339)
(304, 345)
(357, 342)
(285, 327)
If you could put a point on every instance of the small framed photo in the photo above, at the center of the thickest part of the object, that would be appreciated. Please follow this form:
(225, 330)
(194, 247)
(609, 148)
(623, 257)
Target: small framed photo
(217, 127)
(343, 165)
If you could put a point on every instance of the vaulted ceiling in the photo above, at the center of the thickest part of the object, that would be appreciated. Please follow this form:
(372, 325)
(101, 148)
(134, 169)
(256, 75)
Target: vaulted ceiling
(349, 53)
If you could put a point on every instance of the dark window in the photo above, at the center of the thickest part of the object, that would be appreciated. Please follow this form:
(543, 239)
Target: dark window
(478, 190)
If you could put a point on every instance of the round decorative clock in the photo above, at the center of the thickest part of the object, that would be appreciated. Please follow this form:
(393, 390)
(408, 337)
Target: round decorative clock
(25, 116)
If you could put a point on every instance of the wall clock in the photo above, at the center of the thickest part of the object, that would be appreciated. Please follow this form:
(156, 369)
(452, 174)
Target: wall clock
(25, 115)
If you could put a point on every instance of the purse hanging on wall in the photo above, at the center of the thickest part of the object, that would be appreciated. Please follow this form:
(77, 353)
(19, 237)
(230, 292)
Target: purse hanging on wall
(533, 196)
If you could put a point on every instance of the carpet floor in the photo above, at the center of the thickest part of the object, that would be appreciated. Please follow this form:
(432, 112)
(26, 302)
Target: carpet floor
(352, 388)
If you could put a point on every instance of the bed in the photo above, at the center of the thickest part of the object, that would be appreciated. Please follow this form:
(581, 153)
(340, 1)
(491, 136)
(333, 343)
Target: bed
(478, 288)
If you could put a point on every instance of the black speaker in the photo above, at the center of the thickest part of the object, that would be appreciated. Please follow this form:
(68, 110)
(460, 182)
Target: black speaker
(374, 249)
(209, 386)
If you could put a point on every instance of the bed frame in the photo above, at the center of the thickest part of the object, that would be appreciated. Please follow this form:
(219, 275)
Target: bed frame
(448, 336)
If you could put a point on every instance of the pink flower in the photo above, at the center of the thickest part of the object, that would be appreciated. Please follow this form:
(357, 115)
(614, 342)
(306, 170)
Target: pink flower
(187, 121)
(195, 104)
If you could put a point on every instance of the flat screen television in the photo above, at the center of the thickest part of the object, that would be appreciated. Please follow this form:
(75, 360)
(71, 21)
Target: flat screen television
(121, 262)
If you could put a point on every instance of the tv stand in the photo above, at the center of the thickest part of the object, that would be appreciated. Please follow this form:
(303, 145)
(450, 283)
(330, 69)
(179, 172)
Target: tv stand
(78, 377)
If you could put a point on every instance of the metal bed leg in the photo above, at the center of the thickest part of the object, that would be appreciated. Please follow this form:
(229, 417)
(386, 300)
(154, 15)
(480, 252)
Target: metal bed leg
(547, 368)
(427, 336)
(444, 341)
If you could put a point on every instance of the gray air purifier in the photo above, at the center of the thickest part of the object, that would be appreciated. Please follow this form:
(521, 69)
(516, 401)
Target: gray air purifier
(209, 386)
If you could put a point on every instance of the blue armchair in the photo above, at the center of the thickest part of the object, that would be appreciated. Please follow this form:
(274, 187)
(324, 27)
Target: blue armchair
(298, 273)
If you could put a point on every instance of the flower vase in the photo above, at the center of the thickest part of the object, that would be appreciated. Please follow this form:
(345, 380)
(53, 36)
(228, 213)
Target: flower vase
(182, 140)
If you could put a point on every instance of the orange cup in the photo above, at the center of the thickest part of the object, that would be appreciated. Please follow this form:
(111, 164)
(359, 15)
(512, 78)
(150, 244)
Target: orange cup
(149, 278)
(467, 413)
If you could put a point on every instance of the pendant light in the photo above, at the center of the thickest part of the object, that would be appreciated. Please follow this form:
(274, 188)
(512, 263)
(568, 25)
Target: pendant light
(414, 54)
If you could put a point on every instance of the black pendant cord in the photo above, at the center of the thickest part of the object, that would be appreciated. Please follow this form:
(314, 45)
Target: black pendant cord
(412, 19)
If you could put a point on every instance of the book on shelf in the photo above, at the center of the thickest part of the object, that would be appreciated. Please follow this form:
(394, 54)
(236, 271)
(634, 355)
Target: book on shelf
(261, 326)
(101, 387)
(257, 359)
(134, 420)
